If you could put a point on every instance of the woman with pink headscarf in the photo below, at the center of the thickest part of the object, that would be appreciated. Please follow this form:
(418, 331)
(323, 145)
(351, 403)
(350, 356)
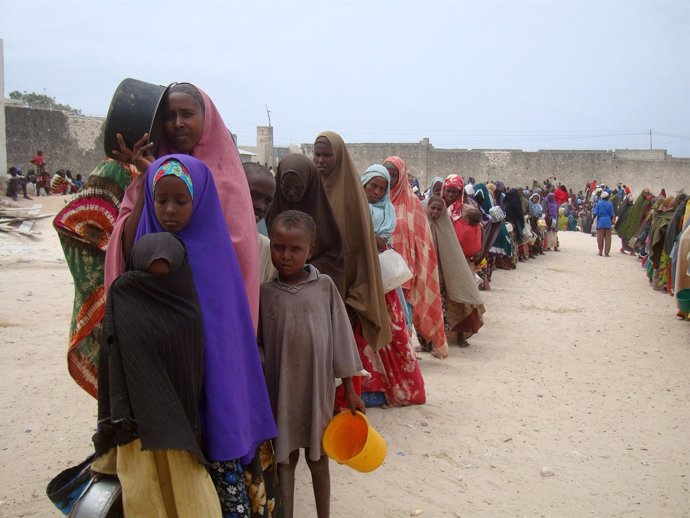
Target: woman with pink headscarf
(412, 239)
(192, 125)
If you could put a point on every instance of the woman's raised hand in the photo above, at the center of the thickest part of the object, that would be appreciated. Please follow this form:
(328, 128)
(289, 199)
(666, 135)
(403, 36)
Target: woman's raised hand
(140, 156)
(143, 157)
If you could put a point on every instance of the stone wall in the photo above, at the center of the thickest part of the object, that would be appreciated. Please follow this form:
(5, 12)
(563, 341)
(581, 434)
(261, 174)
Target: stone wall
(68, 142)
(637, 168)
(75, 143)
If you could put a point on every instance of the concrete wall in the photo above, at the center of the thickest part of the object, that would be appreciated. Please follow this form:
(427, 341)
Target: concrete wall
(74, 143)
(636, 168)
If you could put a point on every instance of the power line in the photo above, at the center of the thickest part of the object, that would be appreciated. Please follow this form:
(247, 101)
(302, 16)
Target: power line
(672, 136)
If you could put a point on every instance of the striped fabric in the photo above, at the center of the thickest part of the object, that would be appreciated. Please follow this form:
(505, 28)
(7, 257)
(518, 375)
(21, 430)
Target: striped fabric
(84, 227)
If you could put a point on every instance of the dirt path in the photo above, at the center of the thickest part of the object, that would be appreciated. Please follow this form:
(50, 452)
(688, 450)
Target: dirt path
(581, 368)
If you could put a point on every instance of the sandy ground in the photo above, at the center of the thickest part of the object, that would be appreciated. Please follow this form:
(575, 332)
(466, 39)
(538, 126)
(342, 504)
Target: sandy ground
(581, 368)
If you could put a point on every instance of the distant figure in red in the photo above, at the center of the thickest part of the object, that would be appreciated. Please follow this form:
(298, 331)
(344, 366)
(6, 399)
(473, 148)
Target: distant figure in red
(561, 195)
(43, 183)
(39, 161)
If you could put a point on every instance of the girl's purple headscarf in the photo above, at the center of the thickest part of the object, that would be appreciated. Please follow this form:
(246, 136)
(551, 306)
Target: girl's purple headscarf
(235, 409)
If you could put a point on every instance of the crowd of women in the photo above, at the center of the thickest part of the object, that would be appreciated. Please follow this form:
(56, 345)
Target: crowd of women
(213, 351)
(656, 230)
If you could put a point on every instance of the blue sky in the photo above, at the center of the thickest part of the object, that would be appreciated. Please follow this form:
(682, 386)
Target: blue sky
(541, 74)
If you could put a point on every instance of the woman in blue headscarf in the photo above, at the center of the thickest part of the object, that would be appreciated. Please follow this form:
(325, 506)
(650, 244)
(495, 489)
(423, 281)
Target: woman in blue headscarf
(395, 375)
(376, 183)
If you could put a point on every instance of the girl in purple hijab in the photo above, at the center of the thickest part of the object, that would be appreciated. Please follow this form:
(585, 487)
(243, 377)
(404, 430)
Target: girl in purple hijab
(235, 410)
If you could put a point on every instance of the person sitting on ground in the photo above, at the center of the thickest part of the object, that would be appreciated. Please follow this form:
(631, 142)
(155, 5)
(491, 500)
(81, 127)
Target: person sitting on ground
(62, 184)
(43, 183)
(79, 182)
(16, 182)
(73, 186)
(31, 188)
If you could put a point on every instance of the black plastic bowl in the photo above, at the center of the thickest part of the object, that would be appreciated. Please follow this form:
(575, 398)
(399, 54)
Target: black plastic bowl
(133, 112)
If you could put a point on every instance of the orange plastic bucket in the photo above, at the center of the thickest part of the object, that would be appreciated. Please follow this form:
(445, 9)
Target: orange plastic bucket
(351, 440)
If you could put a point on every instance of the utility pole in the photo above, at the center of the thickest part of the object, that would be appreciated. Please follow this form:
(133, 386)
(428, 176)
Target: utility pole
(268, 112)
(650, 139)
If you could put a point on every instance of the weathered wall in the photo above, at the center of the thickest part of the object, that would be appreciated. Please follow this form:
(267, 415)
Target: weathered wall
(636, 168)
(74, 143)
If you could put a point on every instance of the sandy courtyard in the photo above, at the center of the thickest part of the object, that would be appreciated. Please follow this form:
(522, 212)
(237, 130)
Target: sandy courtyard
(581, 368)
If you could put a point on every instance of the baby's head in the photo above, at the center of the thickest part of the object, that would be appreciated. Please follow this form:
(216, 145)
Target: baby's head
(262, 187)
(158, 253)
(472, 216)
(293, 240)
(173, 195)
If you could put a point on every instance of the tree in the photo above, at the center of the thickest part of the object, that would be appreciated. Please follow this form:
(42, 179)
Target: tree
(45, 102)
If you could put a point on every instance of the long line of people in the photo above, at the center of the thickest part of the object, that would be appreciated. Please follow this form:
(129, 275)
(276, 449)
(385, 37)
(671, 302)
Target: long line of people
(656, 230)
(306, 307)
(651, 228)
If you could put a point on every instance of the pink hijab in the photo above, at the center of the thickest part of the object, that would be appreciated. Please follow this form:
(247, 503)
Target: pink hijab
(413, 240)
(218, 151)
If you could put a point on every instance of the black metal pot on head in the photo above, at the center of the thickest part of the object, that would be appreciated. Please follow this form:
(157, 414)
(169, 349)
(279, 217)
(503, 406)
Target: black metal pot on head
(133, 111)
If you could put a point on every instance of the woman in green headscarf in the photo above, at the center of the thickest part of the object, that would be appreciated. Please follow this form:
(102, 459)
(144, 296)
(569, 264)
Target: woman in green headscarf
(659, 227)
(485, 264)
(633, 219)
